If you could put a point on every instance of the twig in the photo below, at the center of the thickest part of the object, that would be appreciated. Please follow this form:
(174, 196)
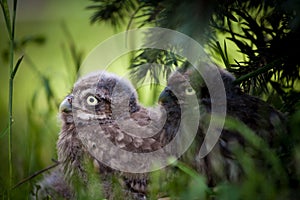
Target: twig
(36, 174)
(257, 72)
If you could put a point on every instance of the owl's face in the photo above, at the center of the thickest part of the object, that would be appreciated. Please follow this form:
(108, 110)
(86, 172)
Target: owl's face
(98, 97)
(178, 90)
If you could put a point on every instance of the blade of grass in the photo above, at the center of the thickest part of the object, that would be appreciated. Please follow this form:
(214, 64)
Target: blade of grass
(259, 144)
(76, 54)
(16, 67)
(183, 167)
(14, 19)
(10, 26)
(6, 14)
(198, 180)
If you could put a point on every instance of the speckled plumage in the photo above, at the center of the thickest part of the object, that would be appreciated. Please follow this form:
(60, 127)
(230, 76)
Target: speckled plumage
(116, 117)
(119, 118)
(220, 164)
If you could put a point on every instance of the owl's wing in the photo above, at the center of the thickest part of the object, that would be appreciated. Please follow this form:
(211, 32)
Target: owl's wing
(265, 122)
(115, 147)
(121, 151)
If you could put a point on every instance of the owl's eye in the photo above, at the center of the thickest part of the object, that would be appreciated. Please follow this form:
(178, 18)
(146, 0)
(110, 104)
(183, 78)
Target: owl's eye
(189, 91)
(92, 101)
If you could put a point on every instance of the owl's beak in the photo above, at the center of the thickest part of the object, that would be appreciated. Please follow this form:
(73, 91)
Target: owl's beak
(66, 104)
(165, 96)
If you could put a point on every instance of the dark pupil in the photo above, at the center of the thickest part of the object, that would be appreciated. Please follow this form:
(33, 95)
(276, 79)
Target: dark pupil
(92, 100)
(189, 90)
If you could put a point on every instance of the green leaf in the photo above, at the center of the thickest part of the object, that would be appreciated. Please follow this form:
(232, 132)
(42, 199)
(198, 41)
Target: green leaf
(199, 179)
(16, 67)
(232, 17)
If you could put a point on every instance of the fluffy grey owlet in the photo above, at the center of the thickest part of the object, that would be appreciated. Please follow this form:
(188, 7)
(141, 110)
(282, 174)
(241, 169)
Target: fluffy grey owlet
(101, 117)
(220, 164)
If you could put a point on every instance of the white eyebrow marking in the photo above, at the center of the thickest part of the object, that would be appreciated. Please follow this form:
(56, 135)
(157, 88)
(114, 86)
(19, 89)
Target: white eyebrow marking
(89, 116)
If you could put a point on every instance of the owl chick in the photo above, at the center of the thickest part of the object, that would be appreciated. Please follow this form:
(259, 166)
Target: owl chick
(101, 117)
(220, 164)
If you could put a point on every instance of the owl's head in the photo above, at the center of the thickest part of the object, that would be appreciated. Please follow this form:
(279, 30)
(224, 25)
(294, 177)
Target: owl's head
(178, 90)
(99, 96)
(189, 80)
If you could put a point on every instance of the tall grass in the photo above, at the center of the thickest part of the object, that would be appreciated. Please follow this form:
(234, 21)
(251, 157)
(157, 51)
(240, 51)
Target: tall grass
(17, 182)
(13, 68)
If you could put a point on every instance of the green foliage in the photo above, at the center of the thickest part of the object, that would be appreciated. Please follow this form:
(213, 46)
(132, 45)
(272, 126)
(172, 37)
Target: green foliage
(150, 61)
(178, 182)
(261, 32)
(10, 26)
(112, 11)
(31, 149)
(265, 33)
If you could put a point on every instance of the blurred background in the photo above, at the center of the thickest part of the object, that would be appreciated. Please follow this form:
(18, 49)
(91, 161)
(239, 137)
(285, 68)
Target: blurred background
(56, 36)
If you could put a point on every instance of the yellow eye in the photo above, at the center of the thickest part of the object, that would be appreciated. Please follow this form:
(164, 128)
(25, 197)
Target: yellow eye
(92, 101)
(189, 91)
